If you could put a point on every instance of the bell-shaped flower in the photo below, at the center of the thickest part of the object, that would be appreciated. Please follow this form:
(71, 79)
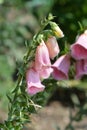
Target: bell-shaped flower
(52, 46)
(61, 67)
(33, 82)
(79, 48)
(42, 61)
(81, 68)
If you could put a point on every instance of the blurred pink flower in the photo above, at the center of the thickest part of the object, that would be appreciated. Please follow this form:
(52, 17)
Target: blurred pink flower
(81, 68)
(52, 46)
(61, 67)
(79, 48)
(42, 61)
(33, 82)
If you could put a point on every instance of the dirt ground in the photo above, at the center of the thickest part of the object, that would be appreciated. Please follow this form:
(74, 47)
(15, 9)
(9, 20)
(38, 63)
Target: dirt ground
(50, 117)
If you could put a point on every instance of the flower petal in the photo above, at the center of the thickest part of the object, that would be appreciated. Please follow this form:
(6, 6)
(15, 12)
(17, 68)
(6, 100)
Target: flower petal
(33, 82)
(61, 68)
(45, 72)
(34, 88)
(42, 61)
(79, 48)
(52, 46)
(81, 68)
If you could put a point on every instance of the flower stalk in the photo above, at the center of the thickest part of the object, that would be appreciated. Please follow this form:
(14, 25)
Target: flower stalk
(20, 103)
(37, 65)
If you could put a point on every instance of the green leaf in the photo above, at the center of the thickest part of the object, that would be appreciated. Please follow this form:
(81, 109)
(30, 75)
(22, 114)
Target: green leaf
(9, 98)
(1, 125)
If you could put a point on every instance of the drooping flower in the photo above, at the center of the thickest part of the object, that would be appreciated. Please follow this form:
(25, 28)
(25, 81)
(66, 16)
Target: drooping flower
(57, 31)
(33, 82)
(61, 67)
(52, 46)
(81, 68)
(79, 48)
(42, 61)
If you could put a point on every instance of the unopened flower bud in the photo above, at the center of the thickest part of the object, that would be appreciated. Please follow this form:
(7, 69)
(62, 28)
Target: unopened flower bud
(52, 46)
(85, 32)
(58, 32)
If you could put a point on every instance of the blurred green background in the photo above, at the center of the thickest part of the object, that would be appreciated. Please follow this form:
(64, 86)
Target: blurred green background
(20, 20)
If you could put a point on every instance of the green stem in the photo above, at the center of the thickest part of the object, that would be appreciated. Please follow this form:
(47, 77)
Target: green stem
(11, 121)
(20, 78)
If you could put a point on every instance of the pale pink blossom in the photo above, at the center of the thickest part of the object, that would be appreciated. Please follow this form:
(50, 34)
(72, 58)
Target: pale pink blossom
(33, 82)
(42, 61)
(79, 48)
(52, 46)
(61, 67)
(81, 68)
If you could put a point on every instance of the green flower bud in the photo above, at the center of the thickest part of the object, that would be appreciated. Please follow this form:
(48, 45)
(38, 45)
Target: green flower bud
(57, 31)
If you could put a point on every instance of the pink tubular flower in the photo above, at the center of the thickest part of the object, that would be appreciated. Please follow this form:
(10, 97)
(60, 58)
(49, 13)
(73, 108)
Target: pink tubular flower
(61, 68)
(33, 82)
(42, 61)
(52, 46)
(79, 48)
(81, 68)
